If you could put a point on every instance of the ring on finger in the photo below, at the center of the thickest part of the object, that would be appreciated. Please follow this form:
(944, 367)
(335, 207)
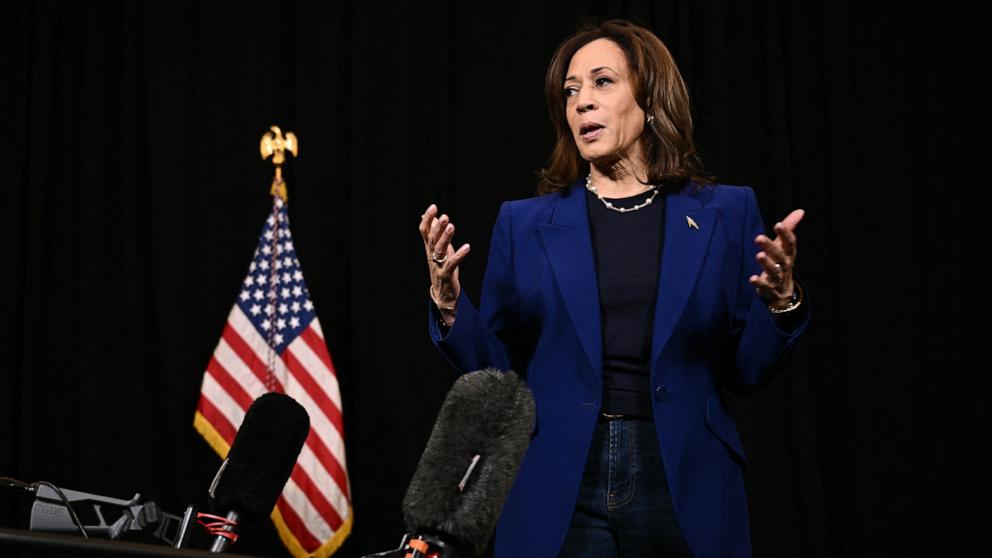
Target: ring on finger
(778, 268)
(439, 260)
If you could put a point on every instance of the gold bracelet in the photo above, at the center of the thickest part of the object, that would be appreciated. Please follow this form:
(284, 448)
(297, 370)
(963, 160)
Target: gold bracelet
(797, 299)
(430, 291)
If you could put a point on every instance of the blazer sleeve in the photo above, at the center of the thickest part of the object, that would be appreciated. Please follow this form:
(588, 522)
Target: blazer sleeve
(764, 341)
(476, 339)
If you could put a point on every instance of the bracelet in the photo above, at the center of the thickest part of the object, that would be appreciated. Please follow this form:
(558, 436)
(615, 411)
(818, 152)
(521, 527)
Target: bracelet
(430, 291)
(797, 299)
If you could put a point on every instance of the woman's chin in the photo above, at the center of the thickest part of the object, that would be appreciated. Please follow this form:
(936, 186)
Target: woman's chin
(601, 158)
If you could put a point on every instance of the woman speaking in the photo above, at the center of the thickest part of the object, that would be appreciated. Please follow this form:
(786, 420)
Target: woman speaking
(625, 294)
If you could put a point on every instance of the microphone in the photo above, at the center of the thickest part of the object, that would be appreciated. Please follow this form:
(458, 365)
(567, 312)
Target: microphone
(469, 465)
(261, 459)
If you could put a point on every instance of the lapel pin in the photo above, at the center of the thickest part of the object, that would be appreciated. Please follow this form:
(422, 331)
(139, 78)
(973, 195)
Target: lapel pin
(692, 224)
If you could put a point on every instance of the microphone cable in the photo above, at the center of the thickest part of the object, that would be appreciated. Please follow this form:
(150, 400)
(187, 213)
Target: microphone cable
(33, 489)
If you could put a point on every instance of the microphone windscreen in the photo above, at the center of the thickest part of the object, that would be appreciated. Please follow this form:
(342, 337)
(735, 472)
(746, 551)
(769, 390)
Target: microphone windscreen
(486, 413)
(262, 456)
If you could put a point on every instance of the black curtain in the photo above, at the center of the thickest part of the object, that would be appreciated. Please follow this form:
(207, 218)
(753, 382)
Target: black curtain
(134, 195)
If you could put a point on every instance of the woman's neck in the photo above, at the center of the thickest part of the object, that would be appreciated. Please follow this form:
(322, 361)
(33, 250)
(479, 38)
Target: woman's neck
(619, 182)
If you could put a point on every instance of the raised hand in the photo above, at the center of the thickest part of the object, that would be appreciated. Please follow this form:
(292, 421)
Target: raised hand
(442, 261)
(777, 259)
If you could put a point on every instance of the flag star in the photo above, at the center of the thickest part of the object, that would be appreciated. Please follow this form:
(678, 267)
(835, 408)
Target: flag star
(297, 291)
(283, 308)
(278, 339)
(266, 325)
(278, 264)
(296, 262)
(279, 205)
(249, 281)
(244, 295)
(275, 279)
(295, 306)
(288, 245)
(284, 292)
(286, 278)
(308, 305)
(288, 233)
(270, 221)
(278, 249)
(264, 265)
(281, 323)
(268, 235)
(257, 295)
(294, 322)
(269, 309)
(266, 250)
(260, 279)
(287, 261)
(298, 275)
(255, 309)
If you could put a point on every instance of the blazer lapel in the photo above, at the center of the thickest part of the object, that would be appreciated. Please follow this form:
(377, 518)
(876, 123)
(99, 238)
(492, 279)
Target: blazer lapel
(568, 243)
(685, 249)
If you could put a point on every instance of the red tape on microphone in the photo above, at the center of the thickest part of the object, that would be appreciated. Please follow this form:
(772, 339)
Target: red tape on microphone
(217, 527)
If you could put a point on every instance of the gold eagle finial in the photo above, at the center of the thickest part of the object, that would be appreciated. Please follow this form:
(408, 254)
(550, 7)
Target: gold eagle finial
(275, 145)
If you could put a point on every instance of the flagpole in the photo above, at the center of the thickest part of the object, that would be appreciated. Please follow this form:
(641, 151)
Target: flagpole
(274, 144)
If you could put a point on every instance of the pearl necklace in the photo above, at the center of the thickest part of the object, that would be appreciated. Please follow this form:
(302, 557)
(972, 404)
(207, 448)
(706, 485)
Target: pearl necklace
(609, 205)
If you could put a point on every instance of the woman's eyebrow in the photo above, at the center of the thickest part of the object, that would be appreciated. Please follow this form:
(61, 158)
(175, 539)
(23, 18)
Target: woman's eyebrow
(591, 72)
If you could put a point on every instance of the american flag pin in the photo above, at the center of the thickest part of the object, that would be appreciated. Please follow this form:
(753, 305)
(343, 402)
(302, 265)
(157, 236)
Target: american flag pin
(692, 224)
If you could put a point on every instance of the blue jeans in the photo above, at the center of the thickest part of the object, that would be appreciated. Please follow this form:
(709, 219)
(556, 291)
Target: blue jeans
(624, 507)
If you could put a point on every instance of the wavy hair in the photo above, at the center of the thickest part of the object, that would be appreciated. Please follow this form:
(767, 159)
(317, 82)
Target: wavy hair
(659, 91)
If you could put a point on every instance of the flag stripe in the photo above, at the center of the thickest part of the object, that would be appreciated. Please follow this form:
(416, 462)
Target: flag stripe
(223, 408)
(217, 420)
(229, 384)
(317, 345)
(303, 376)
(295, 524)
(318, 365)
(252, 348)
(316, 497)
(230, 360)
(329, 461)
(317, 468)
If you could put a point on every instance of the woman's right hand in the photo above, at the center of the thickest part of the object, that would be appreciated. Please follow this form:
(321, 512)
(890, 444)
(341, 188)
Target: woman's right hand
(442, 261)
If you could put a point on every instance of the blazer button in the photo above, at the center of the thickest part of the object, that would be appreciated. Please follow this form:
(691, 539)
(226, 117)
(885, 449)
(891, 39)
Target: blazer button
(660, 392)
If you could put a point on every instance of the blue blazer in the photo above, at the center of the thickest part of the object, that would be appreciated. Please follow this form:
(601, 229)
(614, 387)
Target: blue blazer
(540, 316)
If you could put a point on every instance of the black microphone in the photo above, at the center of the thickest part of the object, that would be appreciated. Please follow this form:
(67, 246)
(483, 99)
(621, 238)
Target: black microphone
(261, 459)
(470, 463)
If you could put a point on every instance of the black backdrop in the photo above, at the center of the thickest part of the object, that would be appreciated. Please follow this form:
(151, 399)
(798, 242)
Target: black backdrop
(133, 196)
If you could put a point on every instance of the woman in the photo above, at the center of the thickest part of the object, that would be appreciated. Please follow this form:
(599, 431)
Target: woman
(624, 295)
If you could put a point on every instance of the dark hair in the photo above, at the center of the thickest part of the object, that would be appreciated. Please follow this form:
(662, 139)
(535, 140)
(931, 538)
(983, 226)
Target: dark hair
(658, 90)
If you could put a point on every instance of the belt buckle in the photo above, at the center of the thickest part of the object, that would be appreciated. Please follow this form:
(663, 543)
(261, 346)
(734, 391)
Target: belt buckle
(608, 416)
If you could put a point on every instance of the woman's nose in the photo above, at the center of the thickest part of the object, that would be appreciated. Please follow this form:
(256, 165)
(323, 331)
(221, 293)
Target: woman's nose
(585, 101)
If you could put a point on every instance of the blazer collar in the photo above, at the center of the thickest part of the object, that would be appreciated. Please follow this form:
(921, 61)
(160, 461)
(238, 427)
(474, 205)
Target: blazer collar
(689, 226)
(568, 243)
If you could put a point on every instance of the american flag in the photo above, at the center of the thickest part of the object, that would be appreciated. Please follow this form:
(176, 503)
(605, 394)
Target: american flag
(273, 342)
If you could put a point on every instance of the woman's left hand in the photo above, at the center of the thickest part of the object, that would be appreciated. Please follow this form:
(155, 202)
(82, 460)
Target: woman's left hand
(778, 258)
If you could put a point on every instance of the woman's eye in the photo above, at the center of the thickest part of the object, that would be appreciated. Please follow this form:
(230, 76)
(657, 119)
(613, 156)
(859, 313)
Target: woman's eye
(601, 81)
(571, 91)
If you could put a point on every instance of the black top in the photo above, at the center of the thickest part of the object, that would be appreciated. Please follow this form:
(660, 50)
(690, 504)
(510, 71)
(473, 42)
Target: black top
(627, 250)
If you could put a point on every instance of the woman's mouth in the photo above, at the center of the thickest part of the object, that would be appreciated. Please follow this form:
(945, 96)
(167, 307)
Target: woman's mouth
(590, 131)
